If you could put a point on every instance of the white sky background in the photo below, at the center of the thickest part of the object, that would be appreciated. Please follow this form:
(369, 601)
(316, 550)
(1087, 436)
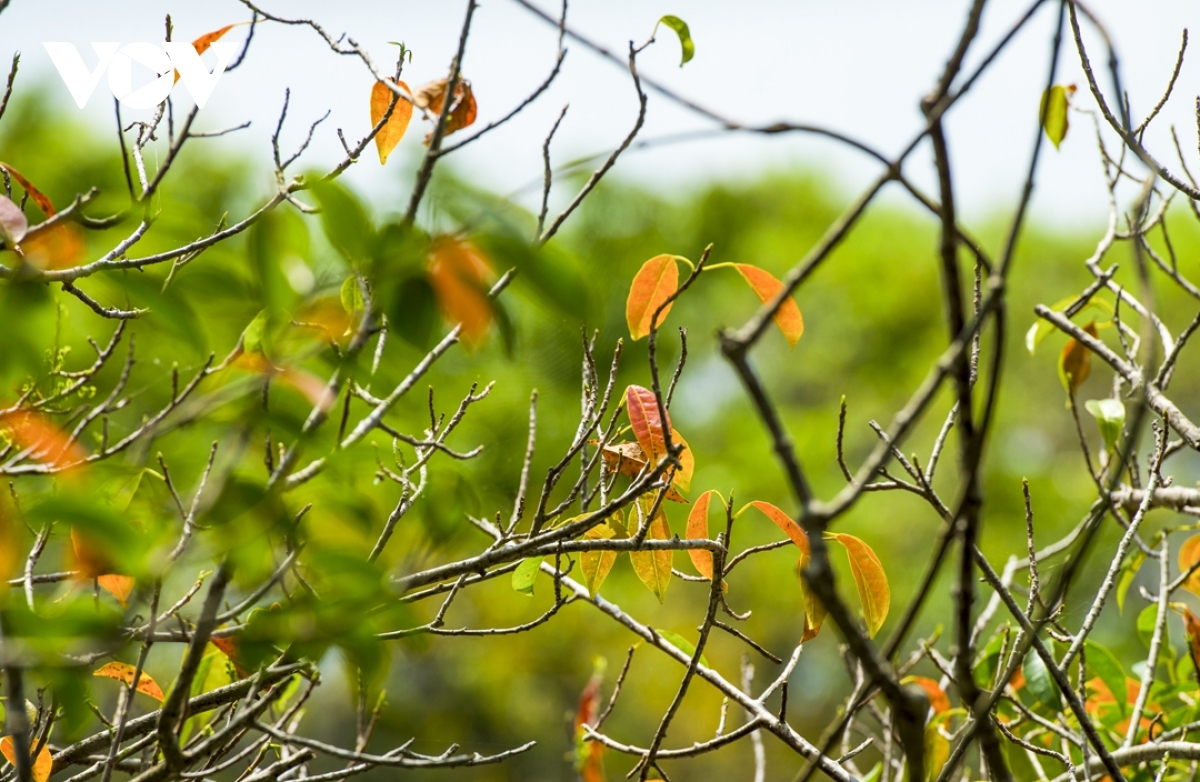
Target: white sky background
(856, 66)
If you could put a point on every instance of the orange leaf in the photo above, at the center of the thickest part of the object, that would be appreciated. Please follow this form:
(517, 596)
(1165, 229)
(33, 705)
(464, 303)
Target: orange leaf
(458, 274)
(1189, 555)
(202, 43)
(462, 112)
(45, 441)
(697, 529)
(766, 287)
(390, 134)
(43, 764)
(124, 672)
(814, 611)
(1191, 624)
(1075, 362)
(89, 561)
(785, 523)
(228, 646)
(654, 283)
(646, 422)
(654, 567)
(57, 247)
(873, 590)
(937, 697)
(39, 198)
(119, 587)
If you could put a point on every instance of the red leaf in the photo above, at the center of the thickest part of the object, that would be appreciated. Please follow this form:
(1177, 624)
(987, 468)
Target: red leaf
(390, 134)
(766, 287)
(589, 755)
(646, 422)
(654, 283)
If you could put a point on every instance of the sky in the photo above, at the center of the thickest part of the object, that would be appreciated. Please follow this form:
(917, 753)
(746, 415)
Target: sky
(858, 67)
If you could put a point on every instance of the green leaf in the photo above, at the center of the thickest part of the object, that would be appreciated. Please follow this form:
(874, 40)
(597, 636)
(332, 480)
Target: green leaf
(1145, 625)
(1129, 570)
(1040, 683)
(525, 575)
(685, 36)
(345, 220)
(411, 308)
(1110, 417)
(1053, 114)
(682, 644)
(875, 773)
(1108, 668)
(1042, 327)
(252, 337)
(351, 295)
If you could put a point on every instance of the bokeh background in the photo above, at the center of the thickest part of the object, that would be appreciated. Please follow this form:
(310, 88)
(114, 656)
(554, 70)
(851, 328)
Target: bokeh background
(872, 313)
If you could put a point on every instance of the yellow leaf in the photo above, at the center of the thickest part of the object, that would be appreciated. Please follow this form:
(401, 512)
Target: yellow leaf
(124, 673)
(596, 564)
(682, 477)
(43, 764)
(654, 567)
(873, 590)
(390, 134)
(1053, 115)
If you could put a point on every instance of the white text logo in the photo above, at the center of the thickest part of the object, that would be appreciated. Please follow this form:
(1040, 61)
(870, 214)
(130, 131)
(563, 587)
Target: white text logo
(164, 60)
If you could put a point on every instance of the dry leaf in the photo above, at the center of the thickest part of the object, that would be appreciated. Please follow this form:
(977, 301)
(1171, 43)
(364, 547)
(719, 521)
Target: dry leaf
(46, 443)
(462, 111)
(627, 458)
(938, 700)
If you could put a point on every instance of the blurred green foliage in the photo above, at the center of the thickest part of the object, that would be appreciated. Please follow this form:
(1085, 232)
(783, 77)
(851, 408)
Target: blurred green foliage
(874, 325)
